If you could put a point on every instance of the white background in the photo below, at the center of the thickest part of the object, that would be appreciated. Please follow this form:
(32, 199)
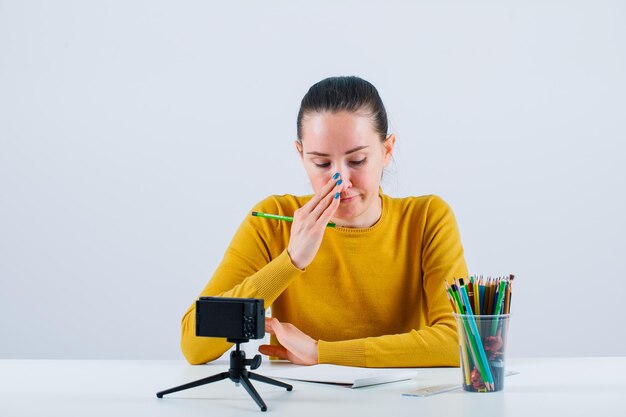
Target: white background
(136, 135)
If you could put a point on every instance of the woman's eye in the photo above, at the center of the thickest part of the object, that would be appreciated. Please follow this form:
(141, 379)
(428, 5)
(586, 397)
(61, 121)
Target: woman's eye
(358, 162)
(327, 164)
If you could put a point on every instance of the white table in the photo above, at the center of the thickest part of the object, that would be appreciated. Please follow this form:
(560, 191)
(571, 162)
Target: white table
(548, 386)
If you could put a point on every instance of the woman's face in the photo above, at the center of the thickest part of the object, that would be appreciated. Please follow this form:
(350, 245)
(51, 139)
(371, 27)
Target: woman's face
(346, 143)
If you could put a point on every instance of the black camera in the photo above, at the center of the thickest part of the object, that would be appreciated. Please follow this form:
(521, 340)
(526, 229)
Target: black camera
(232, 318)
(238, 320)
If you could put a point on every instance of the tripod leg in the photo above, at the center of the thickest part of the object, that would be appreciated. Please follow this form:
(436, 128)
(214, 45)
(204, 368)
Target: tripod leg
(267, 380)
(203, 381)
(255, 395)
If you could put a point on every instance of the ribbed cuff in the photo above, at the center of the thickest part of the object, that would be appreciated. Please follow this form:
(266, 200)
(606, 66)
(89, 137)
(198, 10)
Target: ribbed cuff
(346, 352)
(282, 272)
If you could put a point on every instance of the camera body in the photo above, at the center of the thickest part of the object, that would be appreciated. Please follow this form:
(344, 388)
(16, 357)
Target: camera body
(232, 318)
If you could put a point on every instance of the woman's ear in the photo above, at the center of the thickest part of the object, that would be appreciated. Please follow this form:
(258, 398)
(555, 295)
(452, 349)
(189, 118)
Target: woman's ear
(389, 143)
(299, 147)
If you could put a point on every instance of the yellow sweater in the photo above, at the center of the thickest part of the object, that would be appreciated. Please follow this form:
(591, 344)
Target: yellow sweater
(372, 297)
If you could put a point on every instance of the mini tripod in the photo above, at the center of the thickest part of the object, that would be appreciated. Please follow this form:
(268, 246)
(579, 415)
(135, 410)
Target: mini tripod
(237, 373)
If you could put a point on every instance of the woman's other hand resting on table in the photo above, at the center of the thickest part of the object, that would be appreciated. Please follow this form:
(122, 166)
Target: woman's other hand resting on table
(296, 346)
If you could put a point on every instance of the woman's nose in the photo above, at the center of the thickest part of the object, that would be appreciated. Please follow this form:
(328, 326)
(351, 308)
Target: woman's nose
(345, 179)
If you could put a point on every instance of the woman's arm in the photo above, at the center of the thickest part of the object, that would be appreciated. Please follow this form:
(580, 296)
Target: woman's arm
(433, 346)
(261, 261)
(255, 265)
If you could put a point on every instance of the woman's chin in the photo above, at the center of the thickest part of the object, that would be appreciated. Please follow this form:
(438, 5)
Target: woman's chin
(353, 213)
(345, 215)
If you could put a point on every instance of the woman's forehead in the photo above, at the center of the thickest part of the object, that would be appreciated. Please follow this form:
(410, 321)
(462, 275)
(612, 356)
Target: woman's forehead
(339, 131)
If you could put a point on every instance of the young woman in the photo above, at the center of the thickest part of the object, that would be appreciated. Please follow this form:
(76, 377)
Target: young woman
(368, 292)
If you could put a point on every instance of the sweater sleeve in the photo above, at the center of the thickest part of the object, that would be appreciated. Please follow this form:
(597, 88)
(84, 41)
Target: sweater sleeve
(255, 265)
(434, 344)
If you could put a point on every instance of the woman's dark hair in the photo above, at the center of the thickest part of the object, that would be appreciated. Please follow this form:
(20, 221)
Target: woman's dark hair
(351, 94)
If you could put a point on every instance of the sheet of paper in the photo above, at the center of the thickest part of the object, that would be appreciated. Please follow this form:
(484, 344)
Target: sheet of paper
(343, 375)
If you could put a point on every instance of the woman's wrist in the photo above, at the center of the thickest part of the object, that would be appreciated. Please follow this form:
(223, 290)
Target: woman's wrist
(295, 262)
(317, 352)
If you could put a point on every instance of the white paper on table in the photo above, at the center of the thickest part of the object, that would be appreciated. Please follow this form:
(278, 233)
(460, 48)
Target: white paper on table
(349, 376)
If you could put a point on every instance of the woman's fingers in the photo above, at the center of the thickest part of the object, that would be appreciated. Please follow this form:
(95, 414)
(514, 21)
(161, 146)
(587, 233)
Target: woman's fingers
(271, 350)
(329, 212)
(323, 192)
(281, 353)
(332, 199)
(268, 325)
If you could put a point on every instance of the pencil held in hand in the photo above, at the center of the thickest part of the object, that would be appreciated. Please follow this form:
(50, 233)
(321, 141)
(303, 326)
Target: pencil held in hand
(279, 217)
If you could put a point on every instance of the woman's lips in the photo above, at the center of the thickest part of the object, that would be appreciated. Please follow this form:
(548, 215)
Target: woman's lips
(347, 199)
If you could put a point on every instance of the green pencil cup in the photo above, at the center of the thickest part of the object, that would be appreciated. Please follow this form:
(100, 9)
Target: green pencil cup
(482, 344)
